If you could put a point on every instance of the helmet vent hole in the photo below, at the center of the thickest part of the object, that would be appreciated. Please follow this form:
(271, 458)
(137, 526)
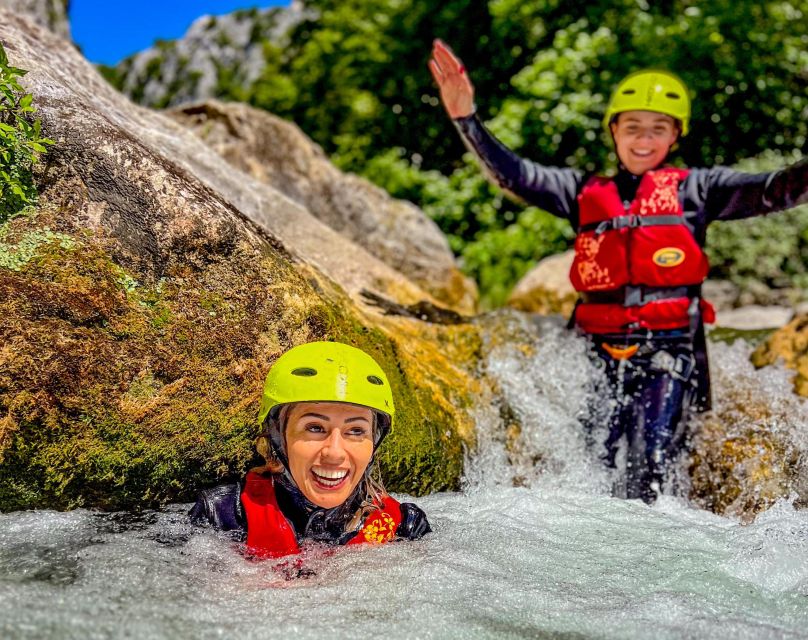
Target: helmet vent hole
(628, 92)
(375, 380)
(674, 96)
(305, 372)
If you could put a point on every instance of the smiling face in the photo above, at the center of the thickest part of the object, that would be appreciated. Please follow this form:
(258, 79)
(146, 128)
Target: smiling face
(329, 446)
(643, 139)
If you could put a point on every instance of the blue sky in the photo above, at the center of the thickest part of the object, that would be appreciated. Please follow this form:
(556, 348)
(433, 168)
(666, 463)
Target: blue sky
(109, 31)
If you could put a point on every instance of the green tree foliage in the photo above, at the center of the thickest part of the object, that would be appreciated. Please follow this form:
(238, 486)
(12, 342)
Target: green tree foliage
(770, 250)
(20, 141)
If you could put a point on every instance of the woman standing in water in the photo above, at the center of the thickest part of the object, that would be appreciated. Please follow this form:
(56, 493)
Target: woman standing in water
(325, 410)
(639, 259)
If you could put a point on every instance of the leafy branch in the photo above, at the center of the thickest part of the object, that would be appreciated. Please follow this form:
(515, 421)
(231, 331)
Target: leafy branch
(21, 141)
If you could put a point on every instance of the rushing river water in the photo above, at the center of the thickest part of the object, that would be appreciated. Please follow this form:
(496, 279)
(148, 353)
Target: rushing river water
(555, 558)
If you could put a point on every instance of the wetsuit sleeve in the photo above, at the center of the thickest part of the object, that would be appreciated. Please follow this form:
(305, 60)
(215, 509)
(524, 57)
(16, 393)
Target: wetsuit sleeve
(220, 507)
(732, 195)
(550, 188)
(414, 524)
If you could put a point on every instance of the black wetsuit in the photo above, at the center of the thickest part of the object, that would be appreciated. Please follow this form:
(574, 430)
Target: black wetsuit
(222, 508)
(654, 389)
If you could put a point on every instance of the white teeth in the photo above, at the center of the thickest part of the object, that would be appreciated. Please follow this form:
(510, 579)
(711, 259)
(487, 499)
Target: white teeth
(329, 476)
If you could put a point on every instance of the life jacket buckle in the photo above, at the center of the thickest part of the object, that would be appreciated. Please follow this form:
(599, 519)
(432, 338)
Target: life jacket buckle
(633, 296)
(624, 222)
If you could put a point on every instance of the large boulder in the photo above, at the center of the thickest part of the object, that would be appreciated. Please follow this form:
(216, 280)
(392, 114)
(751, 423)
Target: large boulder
(144, 301)
(278, 153)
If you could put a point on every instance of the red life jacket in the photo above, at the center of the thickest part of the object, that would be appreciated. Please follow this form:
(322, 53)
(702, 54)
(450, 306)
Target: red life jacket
(637, 267)
(271, 535)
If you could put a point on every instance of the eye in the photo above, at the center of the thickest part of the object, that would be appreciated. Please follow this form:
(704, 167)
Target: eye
(360, 431)
(315, 427)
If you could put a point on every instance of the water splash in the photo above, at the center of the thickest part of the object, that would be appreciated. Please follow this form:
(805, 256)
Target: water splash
(534, 433)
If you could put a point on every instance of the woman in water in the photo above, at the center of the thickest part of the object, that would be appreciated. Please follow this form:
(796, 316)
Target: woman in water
(325, 410)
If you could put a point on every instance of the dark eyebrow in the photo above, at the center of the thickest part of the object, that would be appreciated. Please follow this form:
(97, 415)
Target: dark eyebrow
(327, 419)
(316, 415)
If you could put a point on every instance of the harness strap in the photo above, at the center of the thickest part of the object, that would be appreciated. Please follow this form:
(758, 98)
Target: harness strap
(630, 221)
(638, 295)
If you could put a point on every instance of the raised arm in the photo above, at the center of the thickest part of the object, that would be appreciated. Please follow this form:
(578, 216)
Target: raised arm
(732, 195)
(550, 188)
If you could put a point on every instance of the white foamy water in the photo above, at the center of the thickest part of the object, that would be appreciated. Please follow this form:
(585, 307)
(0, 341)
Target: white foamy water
(557, 558)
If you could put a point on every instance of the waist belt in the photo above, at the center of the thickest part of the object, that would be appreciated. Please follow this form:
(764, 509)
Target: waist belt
(638, 295)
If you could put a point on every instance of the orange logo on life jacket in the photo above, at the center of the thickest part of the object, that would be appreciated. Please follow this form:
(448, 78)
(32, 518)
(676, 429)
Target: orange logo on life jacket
(381, 528)
(669, 257)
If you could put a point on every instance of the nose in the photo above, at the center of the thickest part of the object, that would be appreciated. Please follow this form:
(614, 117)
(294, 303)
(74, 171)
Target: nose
(333, 450)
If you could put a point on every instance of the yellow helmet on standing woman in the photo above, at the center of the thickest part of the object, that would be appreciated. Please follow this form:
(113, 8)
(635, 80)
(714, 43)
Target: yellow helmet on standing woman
(651, 90)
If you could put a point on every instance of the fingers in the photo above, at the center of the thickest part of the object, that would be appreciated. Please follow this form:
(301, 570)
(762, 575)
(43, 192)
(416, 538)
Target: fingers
(447, 61)
(436, 72)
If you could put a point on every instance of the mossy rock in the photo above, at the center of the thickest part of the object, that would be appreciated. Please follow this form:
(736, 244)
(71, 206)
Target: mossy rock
(121, 394)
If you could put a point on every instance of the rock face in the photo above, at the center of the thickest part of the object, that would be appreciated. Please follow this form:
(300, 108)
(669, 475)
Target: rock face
(278, 153)
(215, 50)
(752, 449)
(791, 345)
(48, 13)
(546, 288)
(142, 305)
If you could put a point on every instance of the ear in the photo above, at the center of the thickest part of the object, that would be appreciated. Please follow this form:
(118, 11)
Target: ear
(675, 138)
(613, 126)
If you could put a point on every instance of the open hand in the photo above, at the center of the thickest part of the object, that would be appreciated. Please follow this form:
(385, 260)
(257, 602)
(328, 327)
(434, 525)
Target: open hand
(456, 90)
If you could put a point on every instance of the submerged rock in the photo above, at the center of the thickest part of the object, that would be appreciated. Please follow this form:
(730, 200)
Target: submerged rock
(278, 153)
(752, 449)
(143, 303)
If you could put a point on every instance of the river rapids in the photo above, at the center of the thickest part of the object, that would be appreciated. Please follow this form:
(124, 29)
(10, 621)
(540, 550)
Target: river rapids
(552, 557)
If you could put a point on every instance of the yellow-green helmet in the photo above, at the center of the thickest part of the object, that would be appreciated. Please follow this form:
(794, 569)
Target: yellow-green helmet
(326, 372)
(651, 90)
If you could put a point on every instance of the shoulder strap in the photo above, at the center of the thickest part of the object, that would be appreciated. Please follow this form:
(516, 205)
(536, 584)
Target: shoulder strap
(269, 533)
